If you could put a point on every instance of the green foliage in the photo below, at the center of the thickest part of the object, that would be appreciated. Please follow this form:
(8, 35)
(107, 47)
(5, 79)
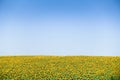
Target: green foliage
(115, 78)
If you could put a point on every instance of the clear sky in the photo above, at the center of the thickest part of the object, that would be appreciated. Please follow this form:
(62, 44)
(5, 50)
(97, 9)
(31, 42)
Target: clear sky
(60, 27)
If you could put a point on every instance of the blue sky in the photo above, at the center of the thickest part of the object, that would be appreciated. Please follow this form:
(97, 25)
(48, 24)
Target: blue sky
(60, 27)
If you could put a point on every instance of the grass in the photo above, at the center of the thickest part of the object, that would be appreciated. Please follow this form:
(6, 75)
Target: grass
(59, 68)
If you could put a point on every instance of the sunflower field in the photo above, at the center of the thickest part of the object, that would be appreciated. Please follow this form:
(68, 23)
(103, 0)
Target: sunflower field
(59, 67)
